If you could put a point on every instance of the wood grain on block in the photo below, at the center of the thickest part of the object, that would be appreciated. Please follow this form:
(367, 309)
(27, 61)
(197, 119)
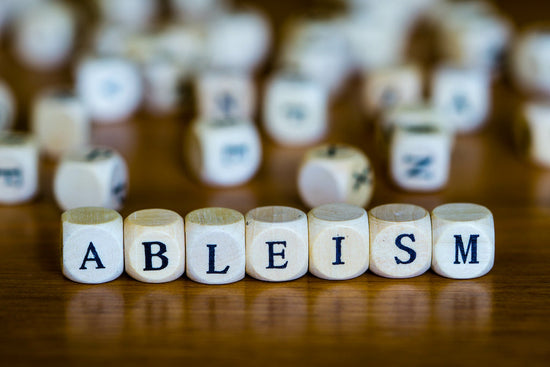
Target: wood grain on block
(463, 240)
(531, 129)
(18, 167)
(7, 106)
(154, 245)
(295, 109)
(92, 248)
(92, 176)
(400, 240)
(338, 241)
(335, 173)
(223, 152)
(276, 243)
(420, 157)
(60, 122)
(215, 240)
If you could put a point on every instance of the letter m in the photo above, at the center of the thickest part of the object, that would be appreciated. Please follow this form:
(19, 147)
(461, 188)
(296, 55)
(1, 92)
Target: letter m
(459, 249)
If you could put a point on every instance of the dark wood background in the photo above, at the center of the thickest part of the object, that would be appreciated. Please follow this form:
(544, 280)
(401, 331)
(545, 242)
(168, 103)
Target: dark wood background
(502, 318)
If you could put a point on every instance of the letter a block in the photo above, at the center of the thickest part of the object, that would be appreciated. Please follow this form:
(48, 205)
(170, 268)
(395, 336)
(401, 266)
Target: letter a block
(338, 241)
(463, 240)
(92, 249)
(401, 240)
(215, 245)
(154, 245)
(276, 243)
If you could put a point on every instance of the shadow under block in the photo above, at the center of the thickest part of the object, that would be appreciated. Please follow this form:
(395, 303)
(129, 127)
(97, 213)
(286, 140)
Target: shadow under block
(154, 245)
(338, 241)
(463, 240)
(92, 248)
(18, 167)
(400, 240)
(215, 240)
(276, 243)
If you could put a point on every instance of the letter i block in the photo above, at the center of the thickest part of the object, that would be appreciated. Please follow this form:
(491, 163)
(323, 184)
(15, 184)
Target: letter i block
(401, 240)
(463, 240)
(18, 167)
(92, 249)
(215, 245)
(154, 245)
(338, 241)
(276, 243)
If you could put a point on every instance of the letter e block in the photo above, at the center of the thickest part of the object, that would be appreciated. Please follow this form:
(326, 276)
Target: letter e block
(401, 240)
(463, 240)
(338, 241)
(92, 249)
(276, 243)
(154, 245)
(215, 245)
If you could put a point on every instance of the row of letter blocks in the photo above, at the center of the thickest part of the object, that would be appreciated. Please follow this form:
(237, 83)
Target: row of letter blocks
(275, 243)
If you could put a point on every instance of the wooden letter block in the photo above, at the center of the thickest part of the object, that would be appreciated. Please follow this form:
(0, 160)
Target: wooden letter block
(338, 241)
(215, 245)
(18, 167)
(276, 243)
(295, 110)
(92, 250)
(154, 245)
(400, 240)
(531, 56)
(7, 106)
(224, 152)
(335, 174)
(60, 122)
(531, 130)
(463, 240)
(95, 176)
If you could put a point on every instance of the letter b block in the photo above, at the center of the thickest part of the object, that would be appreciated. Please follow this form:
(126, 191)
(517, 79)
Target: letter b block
(215, 245)
(154, 245)
(401, 240)
(276, 243)
(463, 240)
(92, 250)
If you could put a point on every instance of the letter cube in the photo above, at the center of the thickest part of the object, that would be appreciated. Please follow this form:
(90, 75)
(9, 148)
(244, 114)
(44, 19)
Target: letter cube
(295, 110)
(7, 106)
(131, 14)
(530, 60)
(225, 94)
(463, 240)
(420, 156)
(223, 152)
(94, 176)
(163, 78)
(60, 122)
(276, 243)
(18, 167)
(215, 245)
(462, 95)
(110, 88)
(388, 87)
(335, 174)
(400, 240)
(338, 241)
(531, 129)
(154, 245)
(92, 249)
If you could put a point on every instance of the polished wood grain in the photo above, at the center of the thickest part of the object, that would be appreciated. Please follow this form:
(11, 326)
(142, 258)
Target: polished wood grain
(502, 318)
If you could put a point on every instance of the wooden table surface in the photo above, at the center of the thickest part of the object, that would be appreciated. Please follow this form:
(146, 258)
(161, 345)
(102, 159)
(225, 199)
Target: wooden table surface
(501, 318)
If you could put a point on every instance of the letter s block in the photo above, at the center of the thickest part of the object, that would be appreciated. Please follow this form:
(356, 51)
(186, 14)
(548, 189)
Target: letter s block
(92, 248)
(215, 245)
(276, 243)
(463, 240)
(400, 240)
(154, 245)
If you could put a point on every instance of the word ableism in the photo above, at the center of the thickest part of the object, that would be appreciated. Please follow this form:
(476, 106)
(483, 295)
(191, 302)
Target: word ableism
(277, 243)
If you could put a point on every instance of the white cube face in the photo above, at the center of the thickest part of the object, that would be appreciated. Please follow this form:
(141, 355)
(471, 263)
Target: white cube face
(60, 122)
(183, 44)
(18, 168)
(295, 110)
(44, 35)
(134, 14)
(163, 79)
(531, 60)
(91, 177)
(535, 129)
(223, 95)
(193, 11)
(110, 88)
(7, 106)
(224, 152)
(420, 158)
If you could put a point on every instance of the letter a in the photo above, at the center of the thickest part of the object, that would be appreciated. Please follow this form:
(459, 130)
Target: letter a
(95, 257)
